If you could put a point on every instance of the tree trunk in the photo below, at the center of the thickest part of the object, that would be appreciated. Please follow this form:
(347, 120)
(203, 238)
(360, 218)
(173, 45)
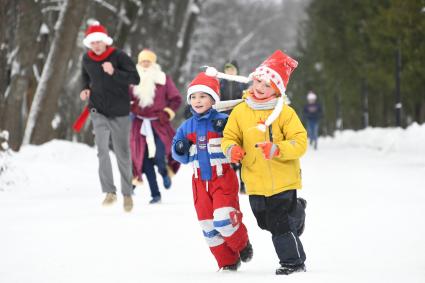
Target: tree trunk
(45, 104)
(7, 22)
(16, 108)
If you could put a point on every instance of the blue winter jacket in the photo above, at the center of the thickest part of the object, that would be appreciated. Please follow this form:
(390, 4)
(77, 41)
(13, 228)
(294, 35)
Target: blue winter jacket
(205, 151)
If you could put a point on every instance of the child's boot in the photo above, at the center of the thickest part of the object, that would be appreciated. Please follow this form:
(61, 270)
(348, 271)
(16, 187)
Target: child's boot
(246, 253)
(288, 269)
(232, 267)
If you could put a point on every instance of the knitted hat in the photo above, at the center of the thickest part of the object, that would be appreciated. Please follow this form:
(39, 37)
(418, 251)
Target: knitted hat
(204, 83)
(96, 32)
(276, 69)
(311, 96)
(231, 64)
(147, 55)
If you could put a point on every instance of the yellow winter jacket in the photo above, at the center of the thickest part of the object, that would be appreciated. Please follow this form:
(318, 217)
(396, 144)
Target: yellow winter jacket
(261, 176)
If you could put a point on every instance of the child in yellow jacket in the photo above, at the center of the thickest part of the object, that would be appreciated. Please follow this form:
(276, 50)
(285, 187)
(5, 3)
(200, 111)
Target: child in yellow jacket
(266, 136)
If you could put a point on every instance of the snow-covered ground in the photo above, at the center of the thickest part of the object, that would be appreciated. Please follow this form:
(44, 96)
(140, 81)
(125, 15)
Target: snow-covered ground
(365, 219)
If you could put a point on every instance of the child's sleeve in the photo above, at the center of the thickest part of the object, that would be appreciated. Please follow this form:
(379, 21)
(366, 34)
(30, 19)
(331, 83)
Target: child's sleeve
(180, 136)
(295, 143)
(232, 134)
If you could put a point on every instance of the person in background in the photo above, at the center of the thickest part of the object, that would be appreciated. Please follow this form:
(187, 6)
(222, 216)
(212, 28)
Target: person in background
(312, 114)
(214, 182)
(268, 138)
(107, 73)
(154, 104)
(231, 90)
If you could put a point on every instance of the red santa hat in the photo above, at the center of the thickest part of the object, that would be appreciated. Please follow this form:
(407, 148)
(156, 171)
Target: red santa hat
(204, 83)
(276, 69)
(96, 32)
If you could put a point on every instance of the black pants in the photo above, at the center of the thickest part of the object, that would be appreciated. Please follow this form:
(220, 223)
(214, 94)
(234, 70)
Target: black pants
(282, 215)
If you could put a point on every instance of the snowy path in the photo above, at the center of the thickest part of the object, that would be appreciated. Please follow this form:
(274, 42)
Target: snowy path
(364, 223)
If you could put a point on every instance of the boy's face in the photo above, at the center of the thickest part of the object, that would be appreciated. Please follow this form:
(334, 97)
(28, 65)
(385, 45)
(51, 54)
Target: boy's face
(98, 47)
(201, 102)
(262, 89)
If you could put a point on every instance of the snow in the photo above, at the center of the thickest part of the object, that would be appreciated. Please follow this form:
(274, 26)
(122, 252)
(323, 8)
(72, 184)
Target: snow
(365, 193)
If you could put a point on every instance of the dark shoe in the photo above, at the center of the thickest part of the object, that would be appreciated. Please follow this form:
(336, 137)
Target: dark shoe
(232, 267)
(167, 181)
(288, 269)
(155, 200)
(303, 203)
(246, 253)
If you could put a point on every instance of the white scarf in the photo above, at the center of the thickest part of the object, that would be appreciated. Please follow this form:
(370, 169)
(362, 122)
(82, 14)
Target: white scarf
(145, 90)
(267, 105)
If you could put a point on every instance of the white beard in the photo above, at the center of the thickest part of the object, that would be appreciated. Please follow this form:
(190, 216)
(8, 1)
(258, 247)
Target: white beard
(145, 90)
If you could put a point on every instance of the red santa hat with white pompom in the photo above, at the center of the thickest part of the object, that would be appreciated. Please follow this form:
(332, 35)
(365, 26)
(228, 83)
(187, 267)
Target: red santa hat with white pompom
(96, 32)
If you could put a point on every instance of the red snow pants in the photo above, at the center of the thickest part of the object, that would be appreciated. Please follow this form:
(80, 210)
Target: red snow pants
(217, 206)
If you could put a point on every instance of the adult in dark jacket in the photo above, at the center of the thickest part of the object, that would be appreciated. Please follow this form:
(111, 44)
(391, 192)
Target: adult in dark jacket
(106, 75)
(312, 114)
(154, 103)
(231, 90)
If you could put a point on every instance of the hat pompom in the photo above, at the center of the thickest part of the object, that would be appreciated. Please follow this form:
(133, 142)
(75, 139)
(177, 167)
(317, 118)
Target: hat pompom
(211, 71)
(93, 22)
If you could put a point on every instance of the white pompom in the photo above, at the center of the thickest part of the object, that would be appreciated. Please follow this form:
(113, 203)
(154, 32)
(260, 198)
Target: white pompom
(211, 71)
(93, 22)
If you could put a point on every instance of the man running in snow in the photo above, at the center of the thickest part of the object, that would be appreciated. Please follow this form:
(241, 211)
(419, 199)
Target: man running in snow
(106, 75)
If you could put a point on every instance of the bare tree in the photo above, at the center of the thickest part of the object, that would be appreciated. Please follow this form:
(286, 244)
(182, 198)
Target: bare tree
(39, 125)
(22, 84)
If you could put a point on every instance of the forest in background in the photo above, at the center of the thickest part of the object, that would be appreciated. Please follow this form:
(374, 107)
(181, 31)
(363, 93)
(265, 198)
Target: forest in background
(347, 52)
(365, 60)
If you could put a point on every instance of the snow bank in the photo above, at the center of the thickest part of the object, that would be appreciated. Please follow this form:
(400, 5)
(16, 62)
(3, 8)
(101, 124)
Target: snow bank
(43, 165)
(410, 140)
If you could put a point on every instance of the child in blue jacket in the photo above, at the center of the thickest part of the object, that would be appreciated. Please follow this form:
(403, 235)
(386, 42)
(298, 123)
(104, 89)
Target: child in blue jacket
(214, 183)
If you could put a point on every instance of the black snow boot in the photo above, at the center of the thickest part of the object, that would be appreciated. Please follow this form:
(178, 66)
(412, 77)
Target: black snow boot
(232, 267)
(246, 253)
(288, 269)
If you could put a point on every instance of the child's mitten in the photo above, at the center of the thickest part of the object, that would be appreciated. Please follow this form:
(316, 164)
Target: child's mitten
(182, 147)
(236, 153)
(269, 149)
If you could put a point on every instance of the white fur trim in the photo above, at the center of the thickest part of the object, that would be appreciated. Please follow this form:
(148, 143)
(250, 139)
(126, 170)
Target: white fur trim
(97, 36)
(145, 90)
(202, 88)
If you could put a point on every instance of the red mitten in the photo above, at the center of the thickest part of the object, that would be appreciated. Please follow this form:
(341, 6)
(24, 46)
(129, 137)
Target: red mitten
(269, 149)
(236, 153)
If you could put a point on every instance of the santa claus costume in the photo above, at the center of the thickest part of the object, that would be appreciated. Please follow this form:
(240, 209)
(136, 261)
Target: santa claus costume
(154, 103)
